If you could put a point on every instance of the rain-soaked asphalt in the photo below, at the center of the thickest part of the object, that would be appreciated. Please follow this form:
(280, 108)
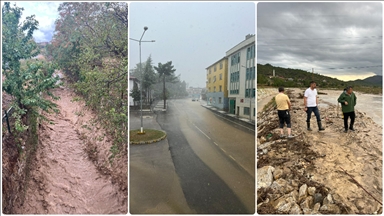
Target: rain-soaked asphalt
(213, 158)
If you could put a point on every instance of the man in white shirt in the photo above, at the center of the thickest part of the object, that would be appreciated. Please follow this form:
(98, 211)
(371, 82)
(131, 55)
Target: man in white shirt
(310, 103)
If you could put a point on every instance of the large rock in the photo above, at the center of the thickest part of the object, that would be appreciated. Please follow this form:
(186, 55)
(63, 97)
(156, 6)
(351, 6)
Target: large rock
(282, 186)
(311, 191)
(295, 195)
(307, 203)
(318, 198)
(277, 173)
(328, 200)
(316, 208)
(284, 204)
(330, 209)
(295, 209)
(264, 177)
(303, 192)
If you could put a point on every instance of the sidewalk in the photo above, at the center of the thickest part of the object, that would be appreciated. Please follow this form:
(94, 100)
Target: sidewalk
(232, 117)
(154, 186)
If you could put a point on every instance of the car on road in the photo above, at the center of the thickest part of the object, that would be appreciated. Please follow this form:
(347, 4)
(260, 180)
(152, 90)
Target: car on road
(193, 99)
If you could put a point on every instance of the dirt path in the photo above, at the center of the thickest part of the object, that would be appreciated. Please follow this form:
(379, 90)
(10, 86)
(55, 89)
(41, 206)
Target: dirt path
(65, 181)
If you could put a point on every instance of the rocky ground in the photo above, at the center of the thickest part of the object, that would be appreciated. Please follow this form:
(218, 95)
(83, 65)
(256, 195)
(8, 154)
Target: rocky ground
(327, 172)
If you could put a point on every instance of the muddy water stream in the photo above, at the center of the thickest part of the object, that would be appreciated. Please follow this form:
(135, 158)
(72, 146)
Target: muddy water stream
(63, 179)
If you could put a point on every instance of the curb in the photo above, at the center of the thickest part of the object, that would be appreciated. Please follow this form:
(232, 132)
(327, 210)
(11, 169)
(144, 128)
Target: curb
(243, 123)
(149, 141)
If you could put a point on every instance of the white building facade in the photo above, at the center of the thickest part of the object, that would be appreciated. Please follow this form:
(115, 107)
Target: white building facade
(241, 78)
(132, 82)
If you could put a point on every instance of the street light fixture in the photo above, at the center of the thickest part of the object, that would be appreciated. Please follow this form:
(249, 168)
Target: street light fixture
(141, 82)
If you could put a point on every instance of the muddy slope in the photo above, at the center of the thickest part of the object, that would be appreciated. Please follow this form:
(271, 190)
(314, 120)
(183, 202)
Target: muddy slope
(64, 179)
(319, 159)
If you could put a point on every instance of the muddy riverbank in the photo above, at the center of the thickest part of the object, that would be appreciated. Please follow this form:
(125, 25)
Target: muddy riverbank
(65, 178)
(316, 172)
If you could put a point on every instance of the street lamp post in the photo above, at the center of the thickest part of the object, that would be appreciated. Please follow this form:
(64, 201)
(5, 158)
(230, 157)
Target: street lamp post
(141, 82)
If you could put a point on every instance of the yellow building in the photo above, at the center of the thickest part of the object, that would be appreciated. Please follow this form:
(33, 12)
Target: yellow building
(217, 91)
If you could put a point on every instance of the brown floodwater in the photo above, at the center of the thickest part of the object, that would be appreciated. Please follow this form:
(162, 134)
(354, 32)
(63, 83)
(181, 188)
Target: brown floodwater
(63, 179)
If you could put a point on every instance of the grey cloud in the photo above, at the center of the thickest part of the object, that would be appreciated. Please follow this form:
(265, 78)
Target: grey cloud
(324, 35)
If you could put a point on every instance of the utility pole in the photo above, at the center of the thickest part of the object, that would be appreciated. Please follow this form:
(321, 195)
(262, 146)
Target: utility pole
(312, 73)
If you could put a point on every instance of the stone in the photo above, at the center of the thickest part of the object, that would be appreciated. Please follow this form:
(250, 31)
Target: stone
(328, 200)
(282, 186)
(330, 209)
(264, 177)
(284, 209)
(303, 192)
(295, 195)
(307, 203)
(311, 191)
(318, 198)
(359, 204)
(277, 173)
(316, 208)
(295, 209)
(307, 211)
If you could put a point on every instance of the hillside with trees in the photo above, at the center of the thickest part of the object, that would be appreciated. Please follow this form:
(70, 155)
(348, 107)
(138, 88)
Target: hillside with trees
(289, 77)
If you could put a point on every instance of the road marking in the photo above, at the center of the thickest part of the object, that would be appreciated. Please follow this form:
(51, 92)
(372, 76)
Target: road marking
(202, 132)
(232, 157)
(223, 150)
(234, 122)
(216, 143)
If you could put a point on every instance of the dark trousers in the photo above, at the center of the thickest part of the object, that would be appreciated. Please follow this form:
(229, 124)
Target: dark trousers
(284, 117)
(346, 115)
(315, 110)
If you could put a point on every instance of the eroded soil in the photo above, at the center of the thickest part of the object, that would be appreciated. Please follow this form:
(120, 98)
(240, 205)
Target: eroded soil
(319, 159)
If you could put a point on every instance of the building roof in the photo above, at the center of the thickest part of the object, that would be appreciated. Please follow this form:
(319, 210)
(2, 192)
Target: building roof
(249, 39)
(216, 62)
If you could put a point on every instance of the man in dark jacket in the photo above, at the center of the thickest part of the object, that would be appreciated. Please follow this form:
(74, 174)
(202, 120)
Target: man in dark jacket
(348, 103)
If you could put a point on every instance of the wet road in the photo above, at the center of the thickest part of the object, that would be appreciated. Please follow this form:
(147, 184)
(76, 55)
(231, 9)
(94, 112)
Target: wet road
(213, 158)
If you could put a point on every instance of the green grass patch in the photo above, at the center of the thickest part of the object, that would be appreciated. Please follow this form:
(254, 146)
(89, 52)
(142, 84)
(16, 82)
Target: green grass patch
(149, 135)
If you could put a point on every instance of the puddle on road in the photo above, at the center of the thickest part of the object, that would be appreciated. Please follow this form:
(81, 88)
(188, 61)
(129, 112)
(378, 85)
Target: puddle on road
(64, 180)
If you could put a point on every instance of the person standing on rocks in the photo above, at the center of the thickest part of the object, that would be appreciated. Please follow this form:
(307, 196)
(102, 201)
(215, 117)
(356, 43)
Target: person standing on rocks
(310, 103)
(348, 103)
(283, 106)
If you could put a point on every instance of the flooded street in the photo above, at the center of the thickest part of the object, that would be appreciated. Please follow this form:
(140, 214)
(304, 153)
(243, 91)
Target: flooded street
(64, 180)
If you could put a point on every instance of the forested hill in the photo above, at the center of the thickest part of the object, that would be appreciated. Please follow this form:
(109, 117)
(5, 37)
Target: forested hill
(289, 77)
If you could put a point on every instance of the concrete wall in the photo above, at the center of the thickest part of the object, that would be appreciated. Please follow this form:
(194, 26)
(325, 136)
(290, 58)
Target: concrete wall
(213, 100)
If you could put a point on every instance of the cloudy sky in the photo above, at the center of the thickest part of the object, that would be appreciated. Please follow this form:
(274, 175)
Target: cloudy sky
(46, 13)
(191, 35)
(342, 40)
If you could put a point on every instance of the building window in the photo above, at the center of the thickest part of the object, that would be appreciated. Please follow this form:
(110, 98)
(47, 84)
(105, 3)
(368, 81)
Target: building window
(246, 110)
(214, 79)
(214, 68)
(254, 111)
(220, 88)
(209, 70)
(209, 89)
(220, 100)
(214, 89)
(221, 76)
(221, 65)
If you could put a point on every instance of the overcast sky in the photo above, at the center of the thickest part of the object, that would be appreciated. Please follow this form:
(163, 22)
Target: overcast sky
(45, 12)
(193, 35)
(342, 40)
